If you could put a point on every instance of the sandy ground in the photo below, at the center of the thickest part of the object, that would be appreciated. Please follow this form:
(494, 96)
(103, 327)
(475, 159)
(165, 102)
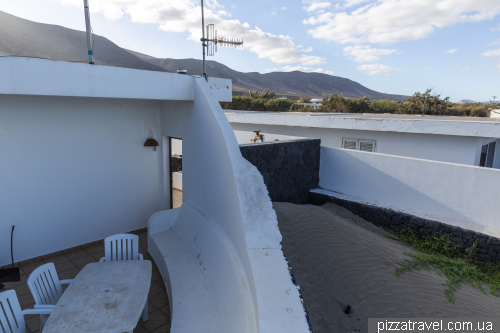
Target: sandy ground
(339, 259)
(176, 198)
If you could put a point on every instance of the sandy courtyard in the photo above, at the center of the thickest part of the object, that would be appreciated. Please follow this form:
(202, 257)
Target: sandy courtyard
(339, 259)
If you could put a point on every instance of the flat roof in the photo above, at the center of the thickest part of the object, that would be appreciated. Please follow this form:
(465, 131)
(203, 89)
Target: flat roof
(421, 124)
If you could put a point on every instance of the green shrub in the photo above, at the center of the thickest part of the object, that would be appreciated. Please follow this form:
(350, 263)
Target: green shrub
(426, 103)
(442, 255)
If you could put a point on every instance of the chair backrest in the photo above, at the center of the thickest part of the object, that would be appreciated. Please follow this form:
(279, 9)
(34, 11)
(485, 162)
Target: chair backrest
(11, 317)
(121, 247)
(45, 285)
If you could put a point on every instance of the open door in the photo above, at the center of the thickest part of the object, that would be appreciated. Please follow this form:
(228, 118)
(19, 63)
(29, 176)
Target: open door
(175, 158)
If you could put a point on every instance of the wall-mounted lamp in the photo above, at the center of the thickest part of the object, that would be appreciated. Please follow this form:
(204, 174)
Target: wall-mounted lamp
(151, 143)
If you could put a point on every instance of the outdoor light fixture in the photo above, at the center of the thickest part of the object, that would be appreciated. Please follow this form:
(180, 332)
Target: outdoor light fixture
(151, 143)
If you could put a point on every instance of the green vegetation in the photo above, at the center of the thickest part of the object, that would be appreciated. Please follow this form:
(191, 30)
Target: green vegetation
(266, 94)
(446, 258)
(259, 103)
(427, 103)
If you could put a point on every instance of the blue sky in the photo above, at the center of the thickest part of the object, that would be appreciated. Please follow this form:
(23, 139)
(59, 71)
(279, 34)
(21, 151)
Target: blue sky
(391, 46)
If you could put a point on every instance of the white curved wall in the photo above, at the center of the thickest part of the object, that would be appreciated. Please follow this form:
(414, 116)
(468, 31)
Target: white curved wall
(228, 223)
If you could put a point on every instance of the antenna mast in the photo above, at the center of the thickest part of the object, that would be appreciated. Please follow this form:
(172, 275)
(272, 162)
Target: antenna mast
(203, 38)
(209, 44)
(90, 44)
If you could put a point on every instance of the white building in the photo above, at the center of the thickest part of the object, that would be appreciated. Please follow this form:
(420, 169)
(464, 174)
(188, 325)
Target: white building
(440, 168)
(74, 169)
(469, 141)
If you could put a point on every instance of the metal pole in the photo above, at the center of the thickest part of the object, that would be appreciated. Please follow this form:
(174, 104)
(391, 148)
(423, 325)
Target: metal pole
(89, 36)
(203, 43)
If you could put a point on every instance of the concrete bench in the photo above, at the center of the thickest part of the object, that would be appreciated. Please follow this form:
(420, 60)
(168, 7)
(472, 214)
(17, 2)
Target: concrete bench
(187, 288)
(206, 283)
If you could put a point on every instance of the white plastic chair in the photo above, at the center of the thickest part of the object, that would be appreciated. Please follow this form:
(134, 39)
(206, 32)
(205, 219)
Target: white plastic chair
(123, 247)
(11, 315)
(46, 288)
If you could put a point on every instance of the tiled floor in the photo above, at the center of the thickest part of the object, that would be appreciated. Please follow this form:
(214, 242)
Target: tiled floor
(72, 261)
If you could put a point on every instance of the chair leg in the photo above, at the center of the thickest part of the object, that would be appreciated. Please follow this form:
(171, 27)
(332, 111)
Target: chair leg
(145, 312)
(43, 319)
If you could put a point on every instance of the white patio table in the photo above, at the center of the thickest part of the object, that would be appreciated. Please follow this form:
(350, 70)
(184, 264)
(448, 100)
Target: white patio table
(105, 297)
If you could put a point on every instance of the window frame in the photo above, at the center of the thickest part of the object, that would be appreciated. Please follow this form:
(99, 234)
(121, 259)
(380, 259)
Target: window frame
(358, 144)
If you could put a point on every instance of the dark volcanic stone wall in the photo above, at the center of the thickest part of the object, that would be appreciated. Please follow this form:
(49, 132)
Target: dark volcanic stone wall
(488, 247)
(290, 168)
(176, 163)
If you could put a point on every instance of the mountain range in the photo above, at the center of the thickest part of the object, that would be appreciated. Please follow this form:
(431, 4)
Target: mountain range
(20, 37)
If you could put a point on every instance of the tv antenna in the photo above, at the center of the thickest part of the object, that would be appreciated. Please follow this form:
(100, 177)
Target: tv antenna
(209, 44)
(88, 26)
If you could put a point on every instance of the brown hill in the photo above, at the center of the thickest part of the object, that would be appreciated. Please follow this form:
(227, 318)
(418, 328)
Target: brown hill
(25, 38)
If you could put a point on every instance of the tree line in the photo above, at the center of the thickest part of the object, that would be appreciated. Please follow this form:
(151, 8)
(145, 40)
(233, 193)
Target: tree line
(427, 103)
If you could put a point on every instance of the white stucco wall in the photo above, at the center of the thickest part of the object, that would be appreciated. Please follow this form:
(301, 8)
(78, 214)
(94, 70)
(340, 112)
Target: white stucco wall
(176, 146)
(445, 148)
(74, 170)
(465, 196)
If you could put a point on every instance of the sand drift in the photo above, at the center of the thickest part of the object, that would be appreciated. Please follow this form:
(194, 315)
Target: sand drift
(339, 259)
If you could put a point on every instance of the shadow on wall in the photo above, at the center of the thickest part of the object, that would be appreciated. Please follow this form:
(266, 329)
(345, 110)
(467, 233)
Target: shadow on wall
(423, 188)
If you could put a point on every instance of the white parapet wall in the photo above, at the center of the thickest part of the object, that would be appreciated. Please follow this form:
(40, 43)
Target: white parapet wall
(460, 195)
(27, 76)
(445, 139)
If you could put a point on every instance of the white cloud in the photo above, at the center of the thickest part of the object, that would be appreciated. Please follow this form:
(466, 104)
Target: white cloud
(390, 21)
(451, 51)
(496, 29)
(364, 53)
(495, 42)
(491, 53)
(306, 69)
(283, 8)
(316, 5)
(305, 49)
(373, 69)
(223, 13)
(350, 3)
(465, 69)
(185, 16)
(269, 70)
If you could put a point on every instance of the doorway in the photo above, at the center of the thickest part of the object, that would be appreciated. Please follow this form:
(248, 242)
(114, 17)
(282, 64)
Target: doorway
(175, 169)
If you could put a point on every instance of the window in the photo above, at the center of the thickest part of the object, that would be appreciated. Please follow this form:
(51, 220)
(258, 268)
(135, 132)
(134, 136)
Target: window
(488, 155)
(356, 144)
